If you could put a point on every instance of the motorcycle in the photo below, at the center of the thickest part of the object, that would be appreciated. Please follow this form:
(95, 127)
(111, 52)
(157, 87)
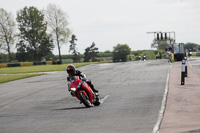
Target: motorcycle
(83, 92)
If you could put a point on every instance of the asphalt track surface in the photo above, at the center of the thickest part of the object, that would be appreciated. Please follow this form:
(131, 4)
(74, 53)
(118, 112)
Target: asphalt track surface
(131, 95)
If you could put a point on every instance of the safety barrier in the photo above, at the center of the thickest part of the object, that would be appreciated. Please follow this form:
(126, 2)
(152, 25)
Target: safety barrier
(3, 65)
(49, 62)
(198, 54)
(29, 64)
(26, 63)
(184, 71)
(194, 54)
(39, 63)
(13, 65)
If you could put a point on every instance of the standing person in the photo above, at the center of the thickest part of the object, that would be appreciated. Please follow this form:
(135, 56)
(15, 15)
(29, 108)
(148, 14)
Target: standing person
(144, 57)
(158, 55)
(139, 58)
(190, 54)
(168, 54)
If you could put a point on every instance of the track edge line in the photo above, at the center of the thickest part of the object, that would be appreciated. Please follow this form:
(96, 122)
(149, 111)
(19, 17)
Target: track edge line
(163, 106)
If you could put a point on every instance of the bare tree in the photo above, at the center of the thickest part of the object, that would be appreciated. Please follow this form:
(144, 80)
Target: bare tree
(58, 24)
(7, 29)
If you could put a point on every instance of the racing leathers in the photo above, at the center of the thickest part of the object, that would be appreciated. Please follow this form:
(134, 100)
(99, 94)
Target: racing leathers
(83, 77)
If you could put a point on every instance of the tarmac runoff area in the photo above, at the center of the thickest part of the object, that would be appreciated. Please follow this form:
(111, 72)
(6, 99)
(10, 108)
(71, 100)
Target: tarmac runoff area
(182, 113)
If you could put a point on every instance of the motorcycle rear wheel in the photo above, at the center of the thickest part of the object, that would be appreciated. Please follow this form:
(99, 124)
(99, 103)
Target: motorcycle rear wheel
(85, 100)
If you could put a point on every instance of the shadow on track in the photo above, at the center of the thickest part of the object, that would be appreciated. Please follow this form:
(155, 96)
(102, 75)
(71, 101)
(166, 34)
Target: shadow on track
(72, 108)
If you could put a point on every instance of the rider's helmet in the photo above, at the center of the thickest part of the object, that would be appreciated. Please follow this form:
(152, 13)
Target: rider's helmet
(70, 69)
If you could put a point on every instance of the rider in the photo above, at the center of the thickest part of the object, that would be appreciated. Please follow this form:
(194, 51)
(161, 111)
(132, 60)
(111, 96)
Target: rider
(144, 57)
(72, 72)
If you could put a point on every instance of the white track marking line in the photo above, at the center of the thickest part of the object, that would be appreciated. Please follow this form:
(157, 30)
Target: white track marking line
(162, 109)
(102, 100)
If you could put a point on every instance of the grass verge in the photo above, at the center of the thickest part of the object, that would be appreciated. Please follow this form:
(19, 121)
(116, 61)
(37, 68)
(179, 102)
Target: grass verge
(39, 68)
(15, 73)
(8, 78)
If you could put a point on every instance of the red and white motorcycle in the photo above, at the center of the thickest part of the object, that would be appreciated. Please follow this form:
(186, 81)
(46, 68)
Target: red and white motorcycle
(83, 92)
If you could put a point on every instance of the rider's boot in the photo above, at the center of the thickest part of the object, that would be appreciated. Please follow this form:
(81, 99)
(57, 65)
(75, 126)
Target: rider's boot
(92, 86)
(95, 91)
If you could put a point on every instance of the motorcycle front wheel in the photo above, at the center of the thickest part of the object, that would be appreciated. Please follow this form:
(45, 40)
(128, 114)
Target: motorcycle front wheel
(85, 100)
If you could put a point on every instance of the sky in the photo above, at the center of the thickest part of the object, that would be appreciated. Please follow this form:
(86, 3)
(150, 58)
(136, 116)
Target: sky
(111, 22)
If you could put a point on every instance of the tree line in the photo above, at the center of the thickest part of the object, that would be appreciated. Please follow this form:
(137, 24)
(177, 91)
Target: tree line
(37, 33)
(164, 45)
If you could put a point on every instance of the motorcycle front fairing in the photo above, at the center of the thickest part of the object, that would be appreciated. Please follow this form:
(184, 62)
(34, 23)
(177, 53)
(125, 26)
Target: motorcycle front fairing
(89, 91)
(76, 86)
(74, 82)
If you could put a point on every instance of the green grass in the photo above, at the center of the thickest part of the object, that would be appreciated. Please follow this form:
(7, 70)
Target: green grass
(14, 72)
(65, 61)
(39, 68)
(8, 78)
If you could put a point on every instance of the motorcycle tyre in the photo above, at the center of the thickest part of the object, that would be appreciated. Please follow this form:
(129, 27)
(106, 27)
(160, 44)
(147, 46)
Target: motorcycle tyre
(84, 100)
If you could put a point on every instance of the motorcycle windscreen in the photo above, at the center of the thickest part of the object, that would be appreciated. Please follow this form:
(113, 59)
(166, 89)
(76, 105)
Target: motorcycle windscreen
(74, 81)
